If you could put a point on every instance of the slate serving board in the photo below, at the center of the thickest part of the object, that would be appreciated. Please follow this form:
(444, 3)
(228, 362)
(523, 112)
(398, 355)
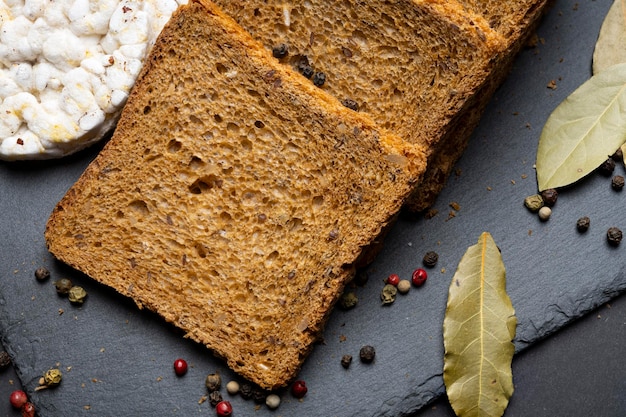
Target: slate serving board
(117, 360)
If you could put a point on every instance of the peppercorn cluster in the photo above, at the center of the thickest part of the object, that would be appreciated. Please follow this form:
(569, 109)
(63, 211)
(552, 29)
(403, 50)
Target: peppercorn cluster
(543, 202)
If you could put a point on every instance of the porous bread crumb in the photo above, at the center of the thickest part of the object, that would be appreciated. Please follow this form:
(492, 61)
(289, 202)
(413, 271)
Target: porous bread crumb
(213, 202)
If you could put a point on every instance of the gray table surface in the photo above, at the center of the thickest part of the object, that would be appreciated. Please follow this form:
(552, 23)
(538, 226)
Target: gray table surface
(118, 359)
(578, 371)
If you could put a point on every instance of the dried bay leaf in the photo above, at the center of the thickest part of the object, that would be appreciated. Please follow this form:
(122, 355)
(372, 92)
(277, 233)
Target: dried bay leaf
(610, 48)
(583, 130)
(478, 330)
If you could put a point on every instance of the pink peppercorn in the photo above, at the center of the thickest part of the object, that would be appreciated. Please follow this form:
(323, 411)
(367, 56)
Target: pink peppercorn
(393, 279)
(299, 389)
(18, 398)
(28, 410)
(180, 367)
(224, 409)
(419, 277)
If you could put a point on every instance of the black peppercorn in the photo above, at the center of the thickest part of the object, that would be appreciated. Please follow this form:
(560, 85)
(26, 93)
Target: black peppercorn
(319, 79)
(607, 167)
(346, 360)
(430, 259)
(582, 225)
(42, 274)
(213, 382)
(367, 354)
(617, 183)
(245, 390)
(549, 197)
(258, 395)
(614, 236)
(361, 278)
(63, 286)
(5, 360)
(618, 156)
(351, 104)
(280, 51)
(215, 397)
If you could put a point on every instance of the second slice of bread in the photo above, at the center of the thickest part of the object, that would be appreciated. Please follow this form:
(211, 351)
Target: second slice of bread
(234, 199)
(424, 69)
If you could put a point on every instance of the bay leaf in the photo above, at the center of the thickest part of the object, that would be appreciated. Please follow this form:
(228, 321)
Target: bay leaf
(478, 330)
(587, 127)
(610, 47)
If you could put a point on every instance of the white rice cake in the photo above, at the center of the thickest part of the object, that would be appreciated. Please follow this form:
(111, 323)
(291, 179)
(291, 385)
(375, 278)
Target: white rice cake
(67, 67)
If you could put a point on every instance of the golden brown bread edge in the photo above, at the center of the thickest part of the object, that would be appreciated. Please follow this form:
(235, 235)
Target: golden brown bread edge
(518, 28)
(233, 199)
(424, 69)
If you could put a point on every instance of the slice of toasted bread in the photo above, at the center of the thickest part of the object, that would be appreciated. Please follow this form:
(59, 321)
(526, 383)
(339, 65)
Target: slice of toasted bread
(424, 69)
(234, 197)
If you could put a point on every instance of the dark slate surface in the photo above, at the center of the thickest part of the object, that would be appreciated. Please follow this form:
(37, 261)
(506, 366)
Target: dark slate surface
(579, 371)
(117, 360)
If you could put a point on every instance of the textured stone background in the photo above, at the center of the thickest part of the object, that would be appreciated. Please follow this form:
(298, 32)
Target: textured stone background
(118, 360)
